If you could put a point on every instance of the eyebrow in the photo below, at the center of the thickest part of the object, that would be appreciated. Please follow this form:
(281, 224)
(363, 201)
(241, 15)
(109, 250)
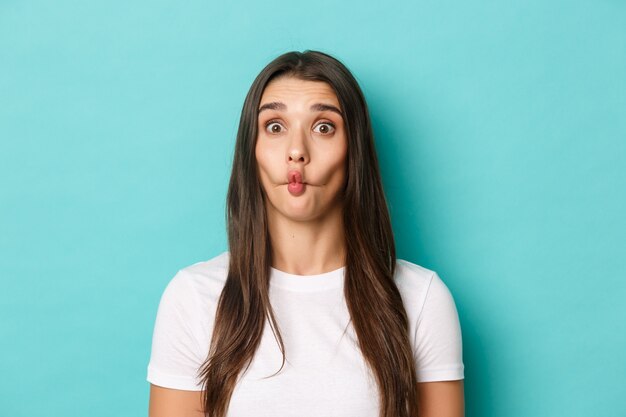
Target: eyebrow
(276, 105)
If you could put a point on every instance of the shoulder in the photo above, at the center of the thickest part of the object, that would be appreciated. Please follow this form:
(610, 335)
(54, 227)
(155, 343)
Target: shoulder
(188, 303)
(198, 284)
(413, 281)
(204, 275)
(212, 268)
(434, 325)
(417, 285)
(184, 322)
(411, 275)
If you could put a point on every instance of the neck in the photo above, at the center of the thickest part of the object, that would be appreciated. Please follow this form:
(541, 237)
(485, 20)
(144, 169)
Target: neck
(307, 247)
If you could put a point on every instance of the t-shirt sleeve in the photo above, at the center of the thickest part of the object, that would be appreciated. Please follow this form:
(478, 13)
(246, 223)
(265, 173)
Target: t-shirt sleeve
(438, 342)
(175, 357)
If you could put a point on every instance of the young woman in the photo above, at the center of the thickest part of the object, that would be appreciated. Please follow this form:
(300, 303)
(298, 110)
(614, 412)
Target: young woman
(309, 313)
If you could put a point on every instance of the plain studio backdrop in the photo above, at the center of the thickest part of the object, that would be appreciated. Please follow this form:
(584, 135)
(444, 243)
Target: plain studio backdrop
(501, 132)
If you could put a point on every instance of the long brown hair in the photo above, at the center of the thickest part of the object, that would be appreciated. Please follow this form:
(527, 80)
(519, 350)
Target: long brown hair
(372, 298)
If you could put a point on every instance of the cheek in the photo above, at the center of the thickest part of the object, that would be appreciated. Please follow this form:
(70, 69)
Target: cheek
(265, 161)
(260, 154)
(339, 159)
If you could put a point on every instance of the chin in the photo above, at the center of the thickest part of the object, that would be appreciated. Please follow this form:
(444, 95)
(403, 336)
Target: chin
(299, 212)
(299, 215)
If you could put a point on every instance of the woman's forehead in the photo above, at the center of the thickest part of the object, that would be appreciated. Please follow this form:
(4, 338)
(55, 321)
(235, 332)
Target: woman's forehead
(295, 89)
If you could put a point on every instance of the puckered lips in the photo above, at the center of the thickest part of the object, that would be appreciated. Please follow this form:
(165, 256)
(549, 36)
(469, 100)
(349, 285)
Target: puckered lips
(295, 184)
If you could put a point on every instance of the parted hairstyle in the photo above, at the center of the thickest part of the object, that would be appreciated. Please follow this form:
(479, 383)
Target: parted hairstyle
(372, 297)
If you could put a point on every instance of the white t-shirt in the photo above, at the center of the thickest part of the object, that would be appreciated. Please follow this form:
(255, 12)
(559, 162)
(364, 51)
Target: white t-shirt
(325, 373)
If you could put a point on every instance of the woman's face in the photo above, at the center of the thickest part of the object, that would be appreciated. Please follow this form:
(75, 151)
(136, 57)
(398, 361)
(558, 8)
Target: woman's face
(301, 148)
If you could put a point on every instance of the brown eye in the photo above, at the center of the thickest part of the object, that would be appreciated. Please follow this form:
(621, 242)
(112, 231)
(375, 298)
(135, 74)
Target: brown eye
(273, 127)
(325, 128)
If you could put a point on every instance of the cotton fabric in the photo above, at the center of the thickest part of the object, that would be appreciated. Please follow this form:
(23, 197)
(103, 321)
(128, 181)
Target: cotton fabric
(325, 373)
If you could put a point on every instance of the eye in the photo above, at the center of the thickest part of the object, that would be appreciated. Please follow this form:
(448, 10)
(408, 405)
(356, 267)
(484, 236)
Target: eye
(273, 126)
(325, 128)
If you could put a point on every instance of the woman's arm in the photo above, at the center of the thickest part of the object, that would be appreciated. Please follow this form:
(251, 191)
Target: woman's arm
(441, 399)
(166, 402)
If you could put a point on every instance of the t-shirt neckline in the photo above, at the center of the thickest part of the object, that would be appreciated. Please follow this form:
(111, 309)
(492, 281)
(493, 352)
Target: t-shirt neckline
(307, 283)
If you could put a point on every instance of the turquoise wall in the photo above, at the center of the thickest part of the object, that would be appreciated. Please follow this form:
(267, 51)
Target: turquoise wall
(501, 130)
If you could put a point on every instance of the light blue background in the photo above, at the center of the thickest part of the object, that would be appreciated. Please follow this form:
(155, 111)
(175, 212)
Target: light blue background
(501, 131)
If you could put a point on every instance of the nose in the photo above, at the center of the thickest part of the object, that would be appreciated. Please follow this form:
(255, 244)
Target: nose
(295, 155)
(297, 151)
